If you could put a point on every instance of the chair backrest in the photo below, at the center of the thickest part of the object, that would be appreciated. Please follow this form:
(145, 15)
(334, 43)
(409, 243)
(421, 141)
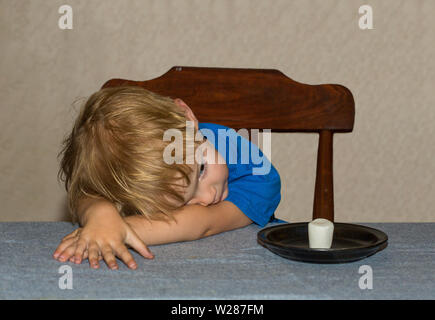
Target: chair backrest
(263, 99)
(254, 98)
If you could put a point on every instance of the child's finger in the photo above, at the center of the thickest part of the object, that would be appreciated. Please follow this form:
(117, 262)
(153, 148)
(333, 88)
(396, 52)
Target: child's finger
(137, 244)
(62, 246)
(80, 249)
(109, 257)
(94, 254)
(86, 255)
(67, 253)
(73, 234)
(123, 253)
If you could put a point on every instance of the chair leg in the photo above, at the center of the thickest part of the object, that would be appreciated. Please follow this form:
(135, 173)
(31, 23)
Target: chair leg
(324, 192)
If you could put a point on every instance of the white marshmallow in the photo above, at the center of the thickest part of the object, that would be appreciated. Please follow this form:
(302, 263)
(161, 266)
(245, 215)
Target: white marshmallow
(320, 232)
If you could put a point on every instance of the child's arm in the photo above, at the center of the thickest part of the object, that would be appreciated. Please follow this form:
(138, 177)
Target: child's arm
(192, 222)
(84, 204)
(105, 232)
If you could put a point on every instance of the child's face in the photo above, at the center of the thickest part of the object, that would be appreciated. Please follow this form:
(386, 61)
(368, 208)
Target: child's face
(209, 181)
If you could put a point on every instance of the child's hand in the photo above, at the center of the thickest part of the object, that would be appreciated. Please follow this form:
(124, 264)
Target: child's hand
(104, 236)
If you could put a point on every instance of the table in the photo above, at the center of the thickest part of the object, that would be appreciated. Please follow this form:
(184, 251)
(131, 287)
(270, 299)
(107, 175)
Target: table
(231, 265)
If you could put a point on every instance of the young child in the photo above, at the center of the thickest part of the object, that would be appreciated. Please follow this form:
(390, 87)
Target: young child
(125, 190)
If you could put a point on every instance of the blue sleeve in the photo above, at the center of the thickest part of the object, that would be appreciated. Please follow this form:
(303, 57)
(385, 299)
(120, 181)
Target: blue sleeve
(257, 196)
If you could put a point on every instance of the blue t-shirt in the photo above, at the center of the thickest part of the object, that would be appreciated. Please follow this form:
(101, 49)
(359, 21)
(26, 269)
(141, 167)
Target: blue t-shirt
(254, 185)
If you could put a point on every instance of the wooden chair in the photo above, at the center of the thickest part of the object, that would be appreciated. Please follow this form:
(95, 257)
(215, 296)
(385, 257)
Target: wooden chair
(264, 99)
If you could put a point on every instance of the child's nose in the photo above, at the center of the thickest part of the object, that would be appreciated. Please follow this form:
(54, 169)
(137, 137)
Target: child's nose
(204, 199)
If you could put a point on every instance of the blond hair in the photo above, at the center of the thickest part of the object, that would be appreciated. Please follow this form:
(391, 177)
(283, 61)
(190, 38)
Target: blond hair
(115, 152)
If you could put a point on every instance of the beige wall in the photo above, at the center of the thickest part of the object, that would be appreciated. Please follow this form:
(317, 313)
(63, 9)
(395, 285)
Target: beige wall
(384, 169)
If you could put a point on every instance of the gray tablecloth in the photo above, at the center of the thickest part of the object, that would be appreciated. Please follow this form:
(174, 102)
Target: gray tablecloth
(231, 265)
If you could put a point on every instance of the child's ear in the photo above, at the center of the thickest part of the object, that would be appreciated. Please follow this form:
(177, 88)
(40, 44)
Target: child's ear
(189, 113)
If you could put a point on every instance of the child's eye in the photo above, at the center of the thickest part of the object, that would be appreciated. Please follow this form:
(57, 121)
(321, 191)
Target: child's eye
(201, 169)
